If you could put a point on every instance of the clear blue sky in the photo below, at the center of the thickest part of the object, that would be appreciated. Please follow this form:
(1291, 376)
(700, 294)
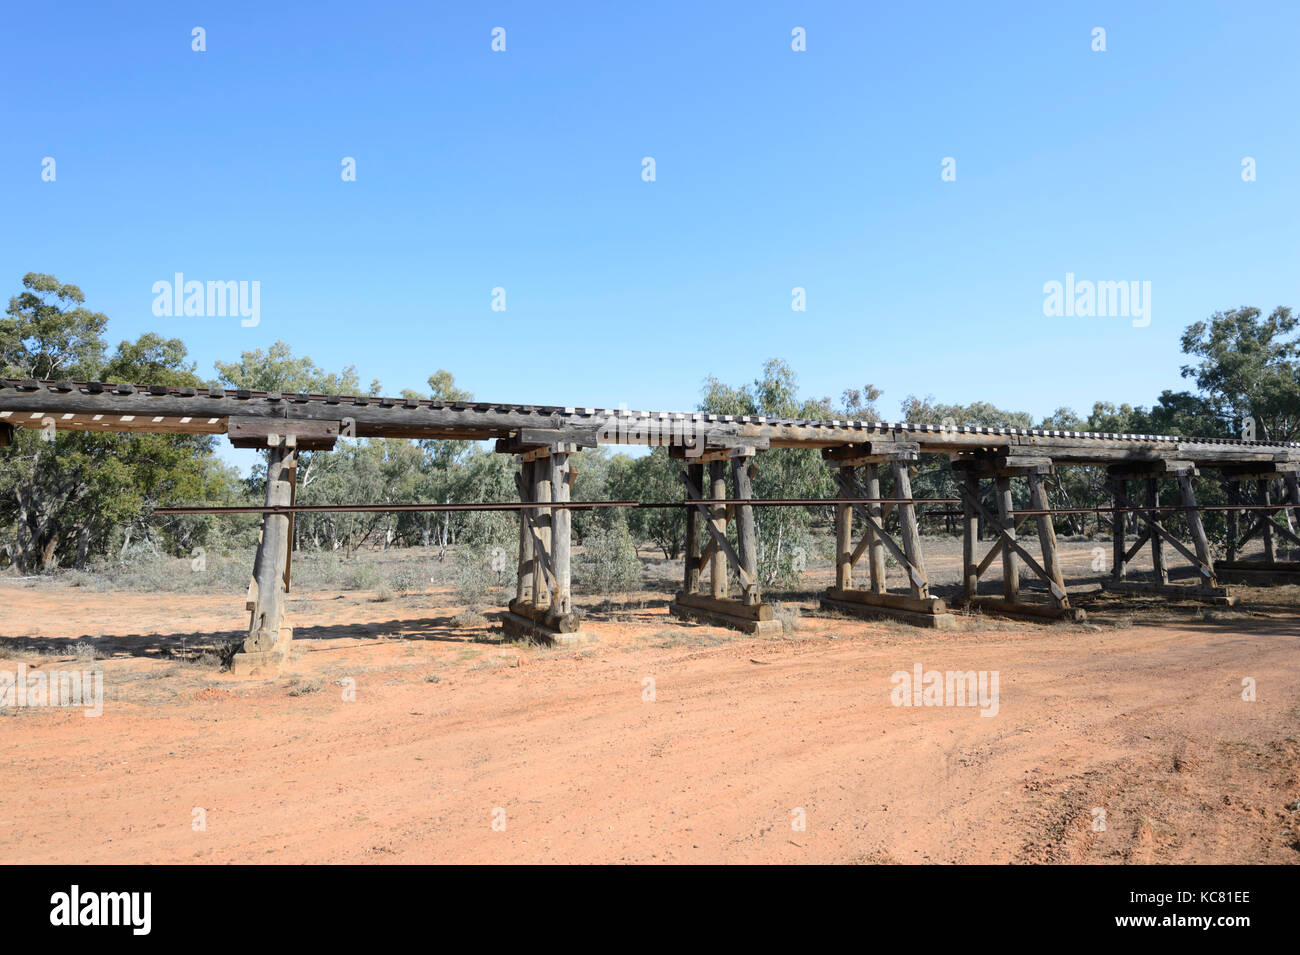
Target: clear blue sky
(775, 169)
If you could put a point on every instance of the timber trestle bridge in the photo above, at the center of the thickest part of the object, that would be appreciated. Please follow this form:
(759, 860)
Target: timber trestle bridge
(718, 454)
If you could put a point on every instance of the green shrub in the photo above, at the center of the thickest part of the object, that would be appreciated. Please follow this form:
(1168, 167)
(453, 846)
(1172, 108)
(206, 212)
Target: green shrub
(608, 563)
(363, 575)
(482, 569)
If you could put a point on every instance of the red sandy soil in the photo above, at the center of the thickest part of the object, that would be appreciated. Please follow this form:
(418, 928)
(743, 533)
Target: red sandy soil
(1145, 721)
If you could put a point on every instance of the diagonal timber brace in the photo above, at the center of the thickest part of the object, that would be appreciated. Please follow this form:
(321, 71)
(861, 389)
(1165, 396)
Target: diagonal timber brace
(918, 606)
(1156, 535)
(542, 608)
(907, 554)
(1006, 543)
(1156, 531)
(715, 523)
(710, 516)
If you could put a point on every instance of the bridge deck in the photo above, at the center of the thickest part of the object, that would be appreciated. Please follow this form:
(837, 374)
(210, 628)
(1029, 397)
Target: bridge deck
(96, 406)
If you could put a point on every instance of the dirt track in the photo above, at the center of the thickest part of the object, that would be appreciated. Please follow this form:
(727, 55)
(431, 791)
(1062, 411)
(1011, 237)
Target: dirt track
(1144, 722)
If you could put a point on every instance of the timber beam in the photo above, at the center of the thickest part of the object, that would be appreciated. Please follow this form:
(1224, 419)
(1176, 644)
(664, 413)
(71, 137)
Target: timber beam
(163, 409)
(1153, 469)
(266, 648)
(917, 607)
(542, 610)
(723, 450)
(269, 432)
(532, 441)
(1156, 535)
(868, 453)
(1265, 523)
(1005, 463)
(709, 517)
(1006, 544)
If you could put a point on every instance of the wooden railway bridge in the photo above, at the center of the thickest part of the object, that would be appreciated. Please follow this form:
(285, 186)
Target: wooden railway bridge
(718, 454)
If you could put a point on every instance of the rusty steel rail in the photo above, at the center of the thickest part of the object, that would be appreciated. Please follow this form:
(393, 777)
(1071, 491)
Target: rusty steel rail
(376, 508)
(534, 505)
(746, 502)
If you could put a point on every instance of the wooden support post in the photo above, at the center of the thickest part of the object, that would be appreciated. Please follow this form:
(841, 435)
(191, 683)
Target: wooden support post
(718, 518)
(1292, 488)
(1010, 559)
(970, 537)
(1266, 521)
(543, 608)
(1195, 527)
(1047, 539)
(694, 477)
(875, 546)
(909, 531)
(1235, 570)
(917, 607)
(1234, 498)
(561, 599)
(844, 535)
(290, 533)
(270, 567)
(1118, 491)
(524, 586)
(542, 522)
(1157, 544)
(746, 533)
(1048, 570)
(711, 514)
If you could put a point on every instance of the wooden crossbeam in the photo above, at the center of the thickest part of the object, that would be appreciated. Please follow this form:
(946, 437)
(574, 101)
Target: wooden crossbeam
(1282, 528)
(991, 556)
(707, 553)
(1009, 541)
(1270, 517)
(995, 550)
(852, 488)
(1138, 545)
(1158, 528)
(1255, 528)
(719, 537)
(860, 548)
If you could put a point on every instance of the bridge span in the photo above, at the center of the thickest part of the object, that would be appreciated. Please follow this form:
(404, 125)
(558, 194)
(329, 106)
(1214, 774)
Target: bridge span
(718, 455)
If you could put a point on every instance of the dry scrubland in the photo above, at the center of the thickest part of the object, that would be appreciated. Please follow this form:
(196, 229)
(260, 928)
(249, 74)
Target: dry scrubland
(1137, 712)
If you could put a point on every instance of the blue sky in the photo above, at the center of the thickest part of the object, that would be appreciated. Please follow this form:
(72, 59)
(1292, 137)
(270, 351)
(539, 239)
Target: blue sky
(775, 169)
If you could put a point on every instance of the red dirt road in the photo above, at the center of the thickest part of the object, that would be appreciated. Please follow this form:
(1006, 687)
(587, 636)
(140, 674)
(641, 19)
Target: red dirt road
(1145, 723)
